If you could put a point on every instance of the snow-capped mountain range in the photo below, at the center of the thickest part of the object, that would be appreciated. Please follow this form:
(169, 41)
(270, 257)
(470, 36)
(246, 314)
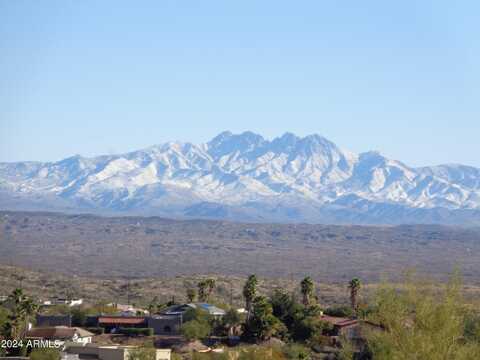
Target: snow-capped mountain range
(246, 177)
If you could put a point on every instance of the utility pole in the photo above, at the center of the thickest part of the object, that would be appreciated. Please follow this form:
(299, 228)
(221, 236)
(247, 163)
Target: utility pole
(128, 290)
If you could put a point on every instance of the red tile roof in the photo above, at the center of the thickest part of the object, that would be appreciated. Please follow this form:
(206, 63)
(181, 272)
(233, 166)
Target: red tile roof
(339, 321)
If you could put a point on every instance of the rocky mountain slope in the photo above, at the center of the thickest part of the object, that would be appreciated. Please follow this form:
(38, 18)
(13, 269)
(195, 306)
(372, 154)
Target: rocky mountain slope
(246, 177)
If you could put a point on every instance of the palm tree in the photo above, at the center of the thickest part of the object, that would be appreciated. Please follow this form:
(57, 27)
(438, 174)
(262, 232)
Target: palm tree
(307, 288)
(28, 309)
(202, 290)
(354, 287)
(249, 292)
(210, 287)
(22, 309)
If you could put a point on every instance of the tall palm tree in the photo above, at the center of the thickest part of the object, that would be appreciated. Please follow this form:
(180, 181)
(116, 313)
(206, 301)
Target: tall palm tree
(307, 288)
(210, 287)
(28, 309)
(249, 292)
(354, 287)
(205, 289)
(22, 309)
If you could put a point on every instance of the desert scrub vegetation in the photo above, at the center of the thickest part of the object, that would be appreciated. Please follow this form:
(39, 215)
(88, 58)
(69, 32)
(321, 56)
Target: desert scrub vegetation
(423, 321)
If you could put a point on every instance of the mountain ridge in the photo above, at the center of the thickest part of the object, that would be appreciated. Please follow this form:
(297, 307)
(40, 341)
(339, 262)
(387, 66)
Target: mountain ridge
(247, 177)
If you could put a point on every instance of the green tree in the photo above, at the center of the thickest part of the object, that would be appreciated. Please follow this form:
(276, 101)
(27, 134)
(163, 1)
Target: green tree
(79, 316)
(191, 295)
(195, 330)
(307, 289)
(421, 321)
(231, 320)
(197, 324)
(354, 286)
(262, 325)
(308, 324)
(250, 292)
(22, 308)
(285, 308)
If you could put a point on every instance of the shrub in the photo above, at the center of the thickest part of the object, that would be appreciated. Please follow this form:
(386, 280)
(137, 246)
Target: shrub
(136, 331)
(195, 330)
(472, 327)
(421, 322)
(210, 356)
(96, 330)
(296, 351)
(45, 354)
(143, 353)
(340, 311)
(79, 317)
(196, 314)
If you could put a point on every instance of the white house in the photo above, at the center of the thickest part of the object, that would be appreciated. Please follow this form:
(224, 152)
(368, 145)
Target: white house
(61, 301)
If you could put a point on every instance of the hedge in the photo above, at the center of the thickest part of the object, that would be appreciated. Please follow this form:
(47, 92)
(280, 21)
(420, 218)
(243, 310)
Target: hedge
(96, 330)
(136, 331)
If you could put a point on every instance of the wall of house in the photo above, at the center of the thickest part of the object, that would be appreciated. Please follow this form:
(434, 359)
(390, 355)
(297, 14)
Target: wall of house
(163, 354)
(53, 320)
(165, 325)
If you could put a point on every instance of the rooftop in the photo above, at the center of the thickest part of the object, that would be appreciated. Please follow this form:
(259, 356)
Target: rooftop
(130, 320)
(338, 321)
(58, 332)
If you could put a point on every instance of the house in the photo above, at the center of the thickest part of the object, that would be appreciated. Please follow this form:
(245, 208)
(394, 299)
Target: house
(341, 325)
(181, 309)
(61, 334)
(165, 324)
(354, 330)
(112, 323)
(53, 320)
(63, 301)
(114, 352)
(128, 310)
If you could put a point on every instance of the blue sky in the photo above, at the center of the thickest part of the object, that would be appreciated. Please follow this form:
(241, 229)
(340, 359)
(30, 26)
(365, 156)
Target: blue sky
(90, 77)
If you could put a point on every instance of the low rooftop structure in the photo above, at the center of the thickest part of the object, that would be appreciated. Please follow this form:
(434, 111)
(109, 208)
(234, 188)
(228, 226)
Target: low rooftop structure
(339, 322)
(61, 333)
(114, 352)
(352, 329)
(128, 310)
(63, 301)
(181, 309)
(114, 322)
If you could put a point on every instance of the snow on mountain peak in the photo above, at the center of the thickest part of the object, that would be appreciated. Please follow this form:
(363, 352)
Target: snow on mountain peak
(244, 170)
